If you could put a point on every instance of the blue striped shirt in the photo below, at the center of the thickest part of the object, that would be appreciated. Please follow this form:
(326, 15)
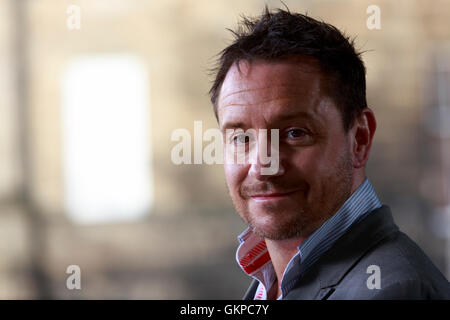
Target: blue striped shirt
(357, 206)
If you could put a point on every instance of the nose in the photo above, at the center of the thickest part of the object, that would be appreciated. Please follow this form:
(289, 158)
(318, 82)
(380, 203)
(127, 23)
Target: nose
(265, 162)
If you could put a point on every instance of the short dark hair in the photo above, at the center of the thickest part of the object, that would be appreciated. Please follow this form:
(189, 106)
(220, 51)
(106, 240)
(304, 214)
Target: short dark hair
(280, 34)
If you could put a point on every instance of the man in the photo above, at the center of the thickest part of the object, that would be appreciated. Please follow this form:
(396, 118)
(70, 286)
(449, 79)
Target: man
(316, 227)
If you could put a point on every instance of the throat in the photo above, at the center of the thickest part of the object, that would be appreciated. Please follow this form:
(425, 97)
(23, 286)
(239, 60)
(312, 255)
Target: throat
(274, 291)
(281, 252)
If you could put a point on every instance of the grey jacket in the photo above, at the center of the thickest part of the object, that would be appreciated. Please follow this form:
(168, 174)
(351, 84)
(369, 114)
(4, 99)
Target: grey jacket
(372, 260)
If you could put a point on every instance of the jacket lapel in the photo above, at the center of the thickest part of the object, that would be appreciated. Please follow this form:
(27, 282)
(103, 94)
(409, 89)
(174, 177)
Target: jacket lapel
(319, 281)
(250, 294)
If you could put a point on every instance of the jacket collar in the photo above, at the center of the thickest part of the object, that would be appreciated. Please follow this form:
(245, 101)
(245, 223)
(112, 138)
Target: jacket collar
(332, 267)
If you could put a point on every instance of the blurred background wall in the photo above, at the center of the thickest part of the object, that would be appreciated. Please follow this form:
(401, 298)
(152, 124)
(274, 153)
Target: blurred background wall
(86, 116)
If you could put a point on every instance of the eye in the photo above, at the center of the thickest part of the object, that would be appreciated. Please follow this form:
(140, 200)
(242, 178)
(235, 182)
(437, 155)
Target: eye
(296, 133)
(241, 138)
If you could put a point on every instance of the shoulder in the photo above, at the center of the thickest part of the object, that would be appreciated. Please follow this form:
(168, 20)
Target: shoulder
(396, 268)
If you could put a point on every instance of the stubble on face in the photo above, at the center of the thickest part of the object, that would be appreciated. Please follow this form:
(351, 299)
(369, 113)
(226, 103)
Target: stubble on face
(320, 173)
(314, 208)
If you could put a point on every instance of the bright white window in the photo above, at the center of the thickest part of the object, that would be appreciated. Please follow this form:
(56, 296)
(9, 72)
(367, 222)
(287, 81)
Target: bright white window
(106, 142)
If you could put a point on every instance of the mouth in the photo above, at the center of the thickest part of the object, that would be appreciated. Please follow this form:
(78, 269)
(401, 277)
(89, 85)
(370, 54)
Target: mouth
(271, 196)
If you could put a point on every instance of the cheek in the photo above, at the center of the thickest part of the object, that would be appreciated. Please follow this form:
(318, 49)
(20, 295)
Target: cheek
(307, 161)
(313, 164)
(234, 175)
(321, 163)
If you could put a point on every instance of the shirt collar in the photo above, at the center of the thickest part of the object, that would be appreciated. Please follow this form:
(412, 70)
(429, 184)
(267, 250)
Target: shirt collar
(254, 259)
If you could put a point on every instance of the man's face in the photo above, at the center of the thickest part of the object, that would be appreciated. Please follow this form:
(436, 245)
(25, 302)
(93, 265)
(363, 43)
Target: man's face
(315, 171)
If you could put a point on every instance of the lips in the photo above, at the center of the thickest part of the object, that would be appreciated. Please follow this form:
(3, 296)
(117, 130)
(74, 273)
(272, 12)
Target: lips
(271, 196)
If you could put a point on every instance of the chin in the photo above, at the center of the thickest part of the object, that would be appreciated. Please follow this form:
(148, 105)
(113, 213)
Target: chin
(276, 226)
(277, 233)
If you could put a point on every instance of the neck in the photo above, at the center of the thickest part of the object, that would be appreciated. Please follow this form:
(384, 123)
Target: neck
(281, 252)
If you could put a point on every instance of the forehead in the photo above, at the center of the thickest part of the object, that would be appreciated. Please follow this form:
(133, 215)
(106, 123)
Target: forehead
(271, 88)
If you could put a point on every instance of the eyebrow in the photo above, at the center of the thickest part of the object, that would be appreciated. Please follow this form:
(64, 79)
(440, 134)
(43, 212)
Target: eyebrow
(232, 125)
(282, 117)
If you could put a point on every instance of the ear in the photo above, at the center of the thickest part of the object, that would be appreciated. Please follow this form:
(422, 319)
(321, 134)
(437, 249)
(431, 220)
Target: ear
(362, 133)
